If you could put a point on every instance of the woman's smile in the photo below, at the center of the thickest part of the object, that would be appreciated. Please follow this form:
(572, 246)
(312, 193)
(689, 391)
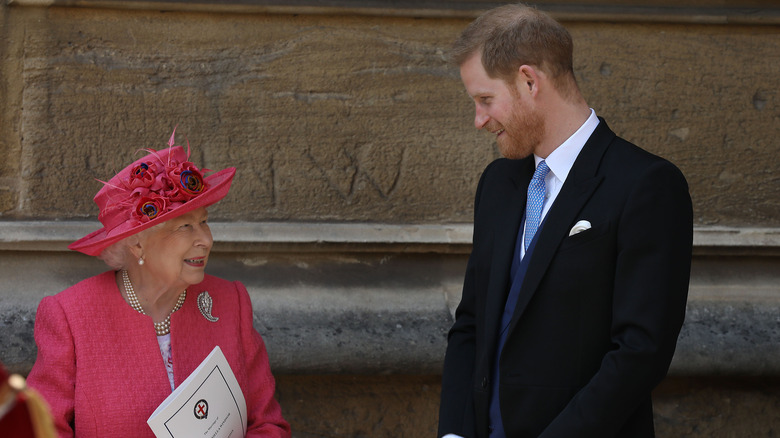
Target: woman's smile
(197, 262)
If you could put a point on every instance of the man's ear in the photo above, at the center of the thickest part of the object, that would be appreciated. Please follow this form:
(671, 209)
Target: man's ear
(527, 79)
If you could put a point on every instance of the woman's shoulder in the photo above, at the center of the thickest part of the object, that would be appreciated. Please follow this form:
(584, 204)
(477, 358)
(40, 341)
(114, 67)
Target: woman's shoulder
(216, 285)
(88, 287)
(210, 280)
(83, 298)
(221, 294)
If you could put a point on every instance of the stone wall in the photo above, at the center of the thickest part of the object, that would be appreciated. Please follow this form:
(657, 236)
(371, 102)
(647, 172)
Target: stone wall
(357, 161)
(357, 118)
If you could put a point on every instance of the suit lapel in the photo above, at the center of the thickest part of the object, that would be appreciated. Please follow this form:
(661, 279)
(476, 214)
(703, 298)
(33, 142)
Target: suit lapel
(505, 224)
(582, 181)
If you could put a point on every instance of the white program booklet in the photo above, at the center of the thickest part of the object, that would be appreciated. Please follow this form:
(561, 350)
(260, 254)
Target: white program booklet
(208, 404)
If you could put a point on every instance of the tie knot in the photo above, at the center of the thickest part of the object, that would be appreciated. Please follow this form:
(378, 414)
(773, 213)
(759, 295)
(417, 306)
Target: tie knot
(541, 171)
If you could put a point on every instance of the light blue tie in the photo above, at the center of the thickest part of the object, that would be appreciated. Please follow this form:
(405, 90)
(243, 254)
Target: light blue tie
(535, 202)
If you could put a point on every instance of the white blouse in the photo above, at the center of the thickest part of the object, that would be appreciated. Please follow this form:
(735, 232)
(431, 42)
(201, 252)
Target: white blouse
(165, 349)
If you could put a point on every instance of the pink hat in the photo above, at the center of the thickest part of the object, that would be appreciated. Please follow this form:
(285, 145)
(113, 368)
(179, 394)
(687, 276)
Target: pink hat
(158, 187)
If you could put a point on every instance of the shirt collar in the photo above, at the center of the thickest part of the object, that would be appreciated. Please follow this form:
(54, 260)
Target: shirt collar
(561, 160)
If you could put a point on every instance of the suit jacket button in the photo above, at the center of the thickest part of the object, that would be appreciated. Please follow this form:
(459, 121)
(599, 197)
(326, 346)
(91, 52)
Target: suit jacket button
(484, 382)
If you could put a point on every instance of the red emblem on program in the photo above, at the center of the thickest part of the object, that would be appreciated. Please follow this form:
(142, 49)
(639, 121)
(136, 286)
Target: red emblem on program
(201, 409)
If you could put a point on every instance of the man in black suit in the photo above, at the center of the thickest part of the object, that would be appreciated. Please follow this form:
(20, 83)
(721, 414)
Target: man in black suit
(576, 286)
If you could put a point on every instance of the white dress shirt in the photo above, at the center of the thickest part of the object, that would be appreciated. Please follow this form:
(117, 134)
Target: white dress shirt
(560, 162)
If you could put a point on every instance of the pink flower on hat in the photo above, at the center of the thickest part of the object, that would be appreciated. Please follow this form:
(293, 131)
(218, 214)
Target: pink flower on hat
(149, 207)
(186, 182)
(142, 175)
(141, 179)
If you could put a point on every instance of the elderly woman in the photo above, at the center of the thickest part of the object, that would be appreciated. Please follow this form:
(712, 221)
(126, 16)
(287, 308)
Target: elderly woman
(112, 347)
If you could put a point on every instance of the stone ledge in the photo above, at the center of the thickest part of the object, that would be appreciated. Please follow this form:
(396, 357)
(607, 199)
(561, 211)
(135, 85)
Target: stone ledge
(267, 236)
(742, 241)
(357, 237)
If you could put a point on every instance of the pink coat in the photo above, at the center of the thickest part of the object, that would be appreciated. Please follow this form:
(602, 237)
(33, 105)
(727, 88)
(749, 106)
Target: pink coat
(100, 369)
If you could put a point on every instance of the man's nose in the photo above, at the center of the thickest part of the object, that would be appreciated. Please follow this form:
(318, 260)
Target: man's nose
(480, 118)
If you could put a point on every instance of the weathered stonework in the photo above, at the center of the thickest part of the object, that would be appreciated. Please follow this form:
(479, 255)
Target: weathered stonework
(706, 97)
(405, 406)
(361, 406)
(327, 119)
(342, 118)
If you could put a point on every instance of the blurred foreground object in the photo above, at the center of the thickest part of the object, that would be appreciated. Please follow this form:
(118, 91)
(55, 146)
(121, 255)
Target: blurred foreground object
(23, 413)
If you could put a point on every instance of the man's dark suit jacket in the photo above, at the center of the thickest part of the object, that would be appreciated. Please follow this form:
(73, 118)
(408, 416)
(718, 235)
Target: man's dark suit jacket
(599, 312)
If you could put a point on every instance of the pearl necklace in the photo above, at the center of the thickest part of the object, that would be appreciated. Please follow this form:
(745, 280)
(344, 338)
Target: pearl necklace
(162, 328)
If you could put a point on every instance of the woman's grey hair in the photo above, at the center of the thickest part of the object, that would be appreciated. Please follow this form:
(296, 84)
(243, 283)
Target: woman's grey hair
(117, 255)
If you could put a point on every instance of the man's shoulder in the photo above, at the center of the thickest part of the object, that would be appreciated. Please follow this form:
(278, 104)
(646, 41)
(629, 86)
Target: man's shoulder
(622, 162)
(505, 166)
(625, 155)
(626, 166)
(625, 151)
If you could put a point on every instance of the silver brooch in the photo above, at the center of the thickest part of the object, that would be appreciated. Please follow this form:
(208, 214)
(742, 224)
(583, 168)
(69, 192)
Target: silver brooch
(204, 305)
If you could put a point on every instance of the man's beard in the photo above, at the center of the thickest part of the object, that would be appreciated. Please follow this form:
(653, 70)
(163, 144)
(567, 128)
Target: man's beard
(522, 134)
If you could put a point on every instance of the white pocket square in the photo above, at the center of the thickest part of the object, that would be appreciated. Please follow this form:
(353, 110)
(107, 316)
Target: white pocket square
(579, 227)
